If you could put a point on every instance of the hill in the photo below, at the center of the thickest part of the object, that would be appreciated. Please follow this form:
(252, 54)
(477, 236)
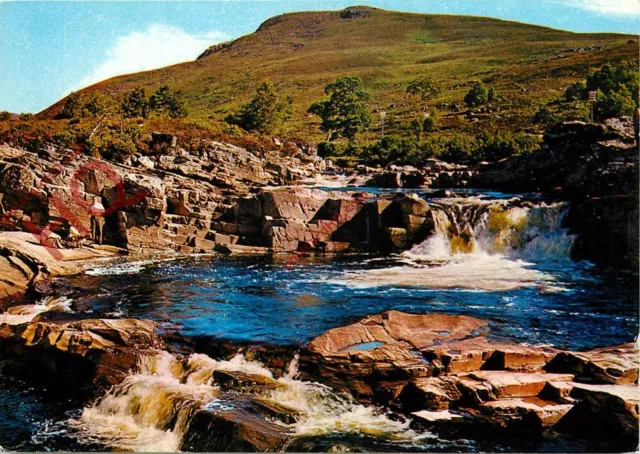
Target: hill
(301, 52)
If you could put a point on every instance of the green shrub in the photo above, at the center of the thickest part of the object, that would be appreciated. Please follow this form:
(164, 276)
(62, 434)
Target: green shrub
(167, 102)
(432, 122)
(423, 87)
(546, 117)
(267, 112)
(615, 104)
(476, 96)
(135, 104)
(460, 149)
(618, 90)
(575, 92)
(326, 149)
(494, 147)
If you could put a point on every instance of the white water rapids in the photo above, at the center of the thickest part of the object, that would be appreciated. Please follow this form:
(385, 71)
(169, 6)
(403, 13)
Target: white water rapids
(480, 245)
(151, 410)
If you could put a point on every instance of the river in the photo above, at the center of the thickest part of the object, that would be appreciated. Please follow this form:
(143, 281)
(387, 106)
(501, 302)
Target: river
(493, 257)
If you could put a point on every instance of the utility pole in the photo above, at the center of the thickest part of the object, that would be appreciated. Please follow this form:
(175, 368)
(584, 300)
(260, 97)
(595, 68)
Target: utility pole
(383, 115)
(593, 95)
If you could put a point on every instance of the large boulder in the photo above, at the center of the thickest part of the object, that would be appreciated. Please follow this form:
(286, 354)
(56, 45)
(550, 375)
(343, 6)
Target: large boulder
(87, 354)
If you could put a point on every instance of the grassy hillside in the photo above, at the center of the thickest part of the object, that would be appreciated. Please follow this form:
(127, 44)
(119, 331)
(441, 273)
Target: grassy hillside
(301, 52)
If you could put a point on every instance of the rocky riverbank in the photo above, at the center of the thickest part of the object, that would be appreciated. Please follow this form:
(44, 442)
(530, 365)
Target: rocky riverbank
(222, 198)
(445, 374)
(452, 375)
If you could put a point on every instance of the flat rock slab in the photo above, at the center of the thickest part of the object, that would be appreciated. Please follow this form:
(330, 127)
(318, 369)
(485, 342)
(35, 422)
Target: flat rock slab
(545, 413)
(57, 261)
(396, 328)
(432, 416)
(617, 365)
(493, 385)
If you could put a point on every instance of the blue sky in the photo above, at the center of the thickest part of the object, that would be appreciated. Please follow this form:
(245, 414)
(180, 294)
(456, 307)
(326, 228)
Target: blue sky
(49, 49)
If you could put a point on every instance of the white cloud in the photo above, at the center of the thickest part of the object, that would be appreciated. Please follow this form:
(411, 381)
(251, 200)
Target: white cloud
(158, 46)
(613, 7)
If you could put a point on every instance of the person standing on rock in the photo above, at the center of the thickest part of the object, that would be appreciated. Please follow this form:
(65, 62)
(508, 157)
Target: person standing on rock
(97, 220)
(636, 125)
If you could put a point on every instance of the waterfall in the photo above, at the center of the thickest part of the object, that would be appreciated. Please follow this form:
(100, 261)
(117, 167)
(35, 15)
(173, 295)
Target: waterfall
(486, 245)
(504, 227)
(151, 410)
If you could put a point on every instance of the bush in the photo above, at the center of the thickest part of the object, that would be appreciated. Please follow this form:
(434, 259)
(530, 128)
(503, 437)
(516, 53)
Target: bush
(494, 147)
(432, 122)
(416, 128)
(393, 150)
(615, 104)
(546, 117)
(135, 104)
(423, 87)
(113, 142)
(167, 102)
(476, 96)
(460, 149)
(71, 107)
(326, 149)
(575, 92)
(492, 94)
(4, 116)
(618, 90)
(267, 112)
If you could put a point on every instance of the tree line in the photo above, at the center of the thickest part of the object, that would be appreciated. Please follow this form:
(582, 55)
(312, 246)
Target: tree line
(164, 102)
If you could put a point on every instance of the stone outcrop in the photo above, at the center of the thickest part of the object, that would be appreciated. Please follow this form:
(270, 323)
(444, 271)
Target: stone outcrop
(248, 424)
(448, 372)
(26, 266)
(86, 355)
(302, 219)
(167, 199)
(434, 173)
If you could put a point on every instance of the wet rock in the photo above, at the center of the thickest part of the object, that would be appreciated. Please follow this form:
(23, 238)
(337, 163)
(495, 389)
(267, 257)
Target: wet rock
(16, 275)
(234, 423)
(432, 394)
(397, 237)
(604, 411)
(483, 386)
(243, 382)
(449, 374)
(381, 348)
(531, 413)
(86, 354)
(616, 365)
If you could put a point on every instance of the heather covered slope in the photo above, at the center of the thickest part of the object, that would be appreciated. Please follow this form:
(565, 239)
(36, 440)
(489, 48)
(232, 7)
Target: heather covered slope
(301, 52)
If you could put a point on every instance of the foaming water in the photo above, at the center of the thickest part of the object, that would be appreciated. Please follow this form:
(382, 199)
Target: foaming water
(24, 314)
(483, 273)
(509, 228)
(488, 245)
(151, 410)
(114, 269)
